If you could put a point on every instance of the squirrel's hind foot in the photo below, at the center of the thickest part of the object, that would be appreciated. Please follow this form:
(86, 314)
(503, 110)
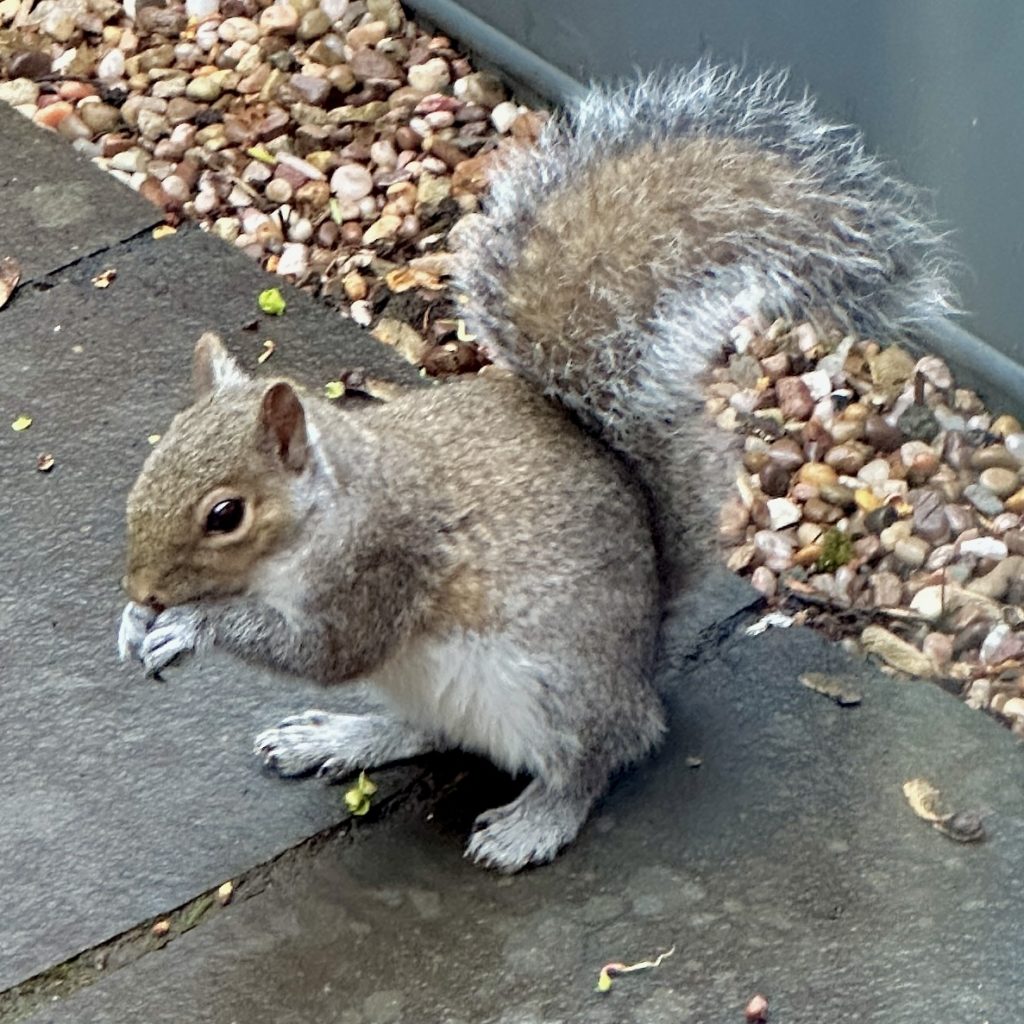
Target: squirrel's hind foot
(334, 745)
(529, 830)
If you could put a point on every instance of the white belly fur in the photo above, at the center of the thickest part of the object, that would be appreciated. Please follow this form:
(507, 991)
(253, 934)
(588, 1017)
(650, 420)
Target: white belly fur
(479, 693)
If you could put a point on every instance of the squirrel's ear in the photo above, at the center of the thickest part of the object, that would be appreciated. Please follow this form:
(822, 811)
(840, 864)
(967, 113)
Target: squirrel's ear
(212, 366)
(283, 423)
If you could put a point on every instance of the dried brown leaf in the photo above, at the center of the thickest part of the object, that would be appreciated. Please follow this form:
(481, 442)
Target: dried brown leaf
(960, 826)
(405, 278)
(10, 275)
(402, 338)
(833, 687)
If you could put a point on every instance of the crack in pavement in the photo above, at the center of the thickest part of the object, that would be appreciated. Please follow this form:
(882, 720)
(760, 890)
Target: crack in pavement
(104, 958)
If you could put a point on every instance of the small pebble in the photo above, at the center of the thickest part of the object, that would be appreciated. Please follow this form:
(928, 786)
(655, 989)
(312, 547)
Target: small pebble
(1002, 482)
(911, 551)
(763, 579)
(775, 550)
(983, 499)
(783, 513)
(351, 181)
(994, 456)
(984, 547)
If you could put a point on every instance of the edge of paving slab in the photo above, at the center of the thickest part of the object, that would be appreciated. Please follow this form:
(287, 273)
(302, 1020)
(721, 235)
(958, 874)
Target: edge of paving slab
(99, 961)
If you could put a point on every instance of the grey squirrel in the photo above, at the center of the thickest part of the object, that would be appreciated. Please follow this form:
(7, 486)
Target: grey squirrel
(512, 596)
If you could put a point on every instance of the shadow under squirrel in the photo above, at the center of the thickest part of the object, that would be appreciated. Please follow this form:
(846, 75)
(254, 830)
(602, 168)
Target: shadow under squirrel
(514, 596)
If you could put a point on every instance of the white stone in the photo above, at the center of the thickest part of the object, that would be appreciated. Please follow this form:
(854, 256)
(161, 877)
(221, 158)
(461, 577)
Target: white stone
(430, 76)
(334, 9)
(1014, 444)
(351, 181)
(818, 383)
(111, 67)
(875, 473)
(293, 260)
(782, 513)
(930, 602)
(202, 8)
(234, 29)
(991, 643)
(502, 117)
(979, 694)
(300, 230)
(775, 549)
(303, 167)
(207, 36)
(130, 161)
(362, 312)
(226, 228)
(935, 371)
(984, 547)
(1014, 708)
(19, 91)
(205, 203)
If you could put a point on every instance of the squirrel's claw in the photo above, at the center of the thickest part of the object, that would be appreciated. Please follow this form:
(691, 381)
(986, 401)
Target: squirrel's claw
(174, 634)
(135, 622)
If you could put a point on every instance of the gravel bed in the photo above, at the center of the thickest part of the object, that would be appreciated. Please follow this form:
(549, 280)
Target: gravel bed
(338, 143)
(878, 501)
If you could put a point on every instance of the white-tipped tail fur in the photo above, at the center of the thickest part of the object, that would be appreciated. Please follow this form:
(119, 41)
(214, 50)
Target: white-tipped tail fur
(613, 259)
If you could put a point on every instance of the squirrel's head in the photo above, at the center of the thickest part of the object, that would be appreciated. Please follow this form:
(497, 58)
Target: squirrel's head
(215, 496)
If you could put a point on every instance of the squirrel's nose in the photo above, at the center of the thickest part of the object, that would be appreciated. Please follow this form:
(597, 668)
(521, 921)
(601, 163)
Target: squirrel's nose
(140, 590)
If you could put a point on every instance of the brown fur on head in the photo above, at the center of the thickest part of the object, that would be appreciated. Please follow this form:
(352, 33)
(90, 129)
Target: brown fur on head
(214, 496)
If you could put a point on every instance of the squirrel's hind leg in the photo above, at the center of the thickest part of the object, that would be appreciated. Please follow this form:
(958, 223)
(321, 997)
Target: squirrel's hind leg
(335, 745)
(532, 828)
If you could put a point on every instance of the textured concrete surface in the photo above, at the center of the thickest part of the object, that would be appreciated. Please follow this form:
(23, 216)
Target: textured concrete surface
(787, 863)
(123, 797)
(55, 205)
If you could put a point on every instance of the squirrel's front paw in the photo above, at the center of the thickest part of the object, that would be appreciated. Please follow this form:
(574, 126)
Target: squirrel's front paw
(174, 634)
(135, 621)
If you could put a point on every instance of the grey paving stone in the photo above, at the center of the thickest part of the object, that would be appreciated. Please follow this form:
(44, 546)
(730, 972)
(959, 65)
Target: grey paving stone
(56, 206)
(787, 863)
(121, 797)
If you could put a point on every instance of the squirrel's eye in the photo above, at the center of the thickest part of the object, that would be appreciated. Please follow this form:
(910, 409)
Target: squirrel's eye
(225, 516)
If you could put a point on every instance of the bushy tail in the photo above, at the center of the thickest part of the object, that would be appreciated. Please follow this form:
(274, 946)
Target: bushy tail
(612, 260)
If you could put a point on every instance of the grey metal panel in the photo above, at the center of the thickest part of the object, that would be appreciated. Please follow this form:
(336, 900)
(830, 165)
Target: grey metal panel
(935, 84)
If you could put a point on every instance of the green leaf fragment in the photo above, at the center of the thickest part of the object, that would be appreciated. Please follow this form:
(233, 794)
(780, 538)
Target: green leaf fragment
(271, 301)
(836, 550)
(262, 154)
(196, 912)
(357, 798)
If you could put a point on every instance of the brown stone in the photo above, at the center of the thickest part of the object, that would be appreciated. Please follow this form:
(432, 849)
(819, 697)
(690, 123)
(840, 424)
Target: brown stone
(275, 123)
(849, 458)
(794, 398)
(929, 517)
(774, 480)
(470, 176)
(994, 456)
(371, 65)
(29, 64)
(881, 435)
(787, 453)
(818, 511)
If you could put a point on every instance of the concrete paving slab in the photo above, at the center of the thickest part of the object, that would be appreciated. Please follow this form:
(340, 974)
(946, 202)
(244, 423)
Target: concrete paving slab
(56, 206)
(788, 863)
(120, 797)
